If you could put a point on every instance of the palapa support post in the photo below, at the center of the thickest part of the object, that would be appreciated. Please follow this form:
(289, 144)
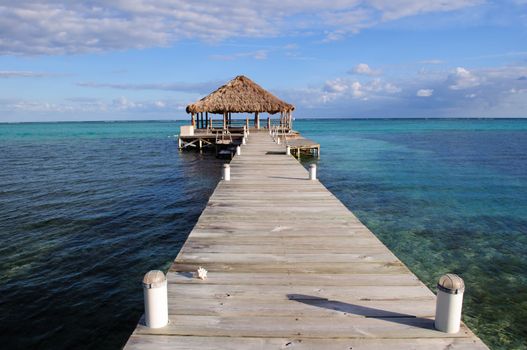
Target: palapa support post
(257, 120)
(192, 120)
(247, 123)
(313, 172)
(449, 303)
(269, 123)
(156, 300)
(226, 172)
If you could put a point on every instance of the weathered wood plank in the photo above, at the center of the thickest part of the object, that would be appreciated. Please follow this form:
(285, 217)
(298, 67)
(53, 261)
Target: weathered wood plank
(305, 327)
(161, 342)
(318, 268)
(315, 308)
(294, 292)
(342, 280)
(281, 257)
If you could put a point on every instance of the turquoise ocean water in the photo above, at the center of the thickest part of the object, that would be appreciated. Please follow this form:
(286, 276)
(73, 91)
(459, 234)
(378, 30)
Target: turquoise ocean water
(87, 208)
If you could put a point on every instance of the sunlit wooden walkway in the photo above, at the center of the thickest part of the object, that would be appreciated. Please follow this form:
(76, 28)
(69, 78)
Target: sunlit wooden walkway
(290, 267)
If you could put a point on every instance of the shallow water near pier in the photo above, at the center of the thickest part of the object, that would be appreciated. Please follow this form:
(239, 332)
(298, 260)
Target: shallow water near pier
(87, 208)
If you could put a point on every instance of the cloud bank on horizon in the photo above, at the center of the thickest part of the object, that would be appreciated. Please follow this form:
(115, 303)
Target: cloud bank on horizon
(138, 59)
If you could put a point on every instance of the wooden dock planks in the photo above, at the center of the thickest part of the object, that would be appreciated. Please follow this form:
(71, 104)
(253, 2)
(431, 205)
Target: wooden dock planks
(290, 267)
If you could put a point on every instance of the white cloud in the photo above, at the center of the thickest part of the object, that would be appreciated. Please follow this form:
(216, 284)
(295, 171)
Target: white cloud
(87, 105)
(21, 74)
(502, 91)
(378, 85)
(481, 92)
(204, 87)
(257, 55)
(336, 86)
(364, 69)
(425, 92)
(160, 104)
(356, 89)
(396, 9)
(432, 61)
(55, 27)
(345, 88)
(463, 79)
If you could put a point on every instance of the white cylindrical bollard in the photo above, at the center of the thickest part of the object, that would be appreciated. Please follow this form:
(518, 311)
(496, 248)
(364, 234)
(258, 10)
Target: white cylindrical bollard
(288, 150)
(278, 141)
(313, 172)
(244, 141)
(238, 150)
(226, 172)
(156, 301)
(449, 303)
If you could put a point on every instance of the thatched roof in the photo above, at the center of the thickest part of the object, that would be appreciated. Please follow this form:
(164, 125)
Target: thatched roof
(240, 95)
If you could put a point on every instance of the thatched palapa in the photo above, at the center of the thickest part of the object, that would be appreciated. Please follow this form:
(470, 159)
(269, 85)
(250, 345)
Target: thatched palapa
(240, 95)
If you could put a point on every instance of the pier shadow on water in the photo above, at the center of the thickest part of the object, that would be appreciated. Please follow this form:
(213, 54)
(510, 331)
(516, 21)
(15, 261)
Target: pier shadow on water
(368, 312)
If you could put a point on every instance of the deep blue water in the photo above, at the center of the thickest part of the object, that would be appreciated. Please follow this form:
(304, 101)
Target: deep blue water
(87, 208)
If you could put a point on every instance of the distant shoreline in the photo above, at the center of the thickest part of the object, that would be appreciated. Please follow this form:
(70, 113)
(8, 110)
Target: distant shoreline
(304, 118)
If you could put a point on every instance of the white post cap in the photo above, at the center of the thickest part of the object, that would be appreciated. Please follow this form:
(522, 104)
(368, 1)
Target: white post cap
(154, 279)
(451, 284)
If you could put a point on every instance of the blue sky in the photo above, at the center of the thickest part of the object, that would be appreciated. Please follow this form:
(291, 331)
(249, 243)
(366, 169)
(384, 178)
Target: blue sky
(138, 59)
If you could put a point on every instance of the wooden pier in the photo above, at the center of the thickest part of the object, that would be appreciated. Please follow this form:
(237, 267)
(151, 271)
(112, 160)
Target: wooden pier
(290, 267)
(305, 146)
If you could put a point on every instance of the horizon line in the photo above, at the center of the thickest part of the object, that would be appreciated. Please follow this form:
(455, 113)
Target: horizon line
(301, 118)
